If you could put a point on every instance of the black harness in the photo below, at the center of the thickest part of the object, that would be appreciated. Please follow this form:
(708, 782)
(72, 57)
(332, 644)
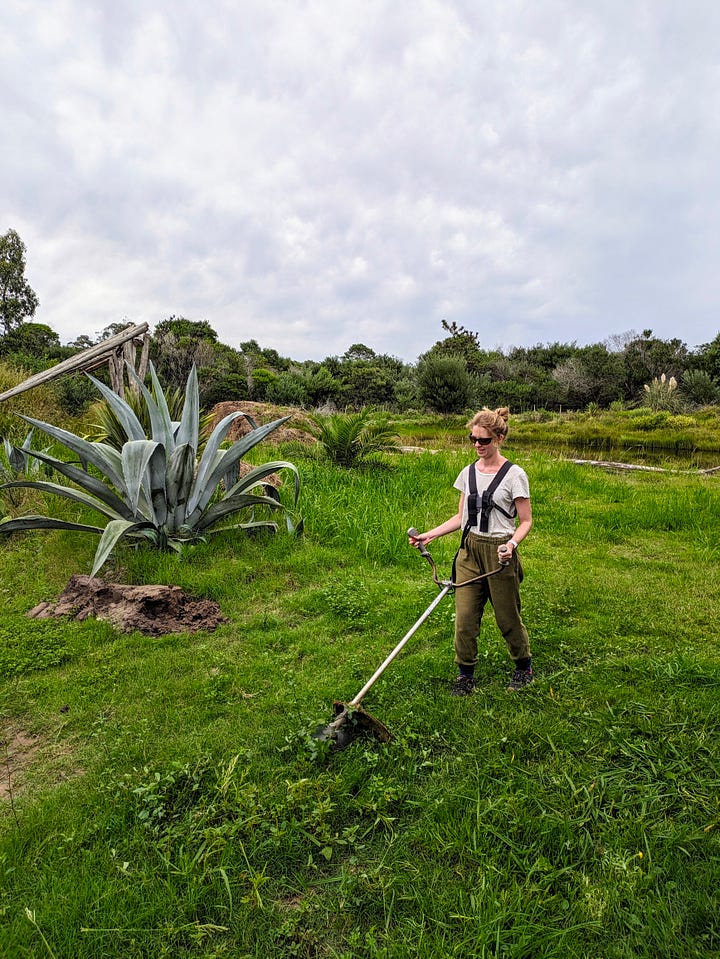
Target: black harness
(484, 504)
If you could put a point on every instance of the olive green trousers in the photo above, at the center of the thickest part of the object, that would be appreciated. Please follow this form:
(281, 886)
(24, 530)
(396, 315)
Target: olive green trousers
(479, 555)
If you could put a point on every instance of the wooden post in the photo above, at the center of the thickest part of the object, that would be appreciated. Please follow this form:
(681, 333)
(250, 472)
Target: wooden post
(82, 360)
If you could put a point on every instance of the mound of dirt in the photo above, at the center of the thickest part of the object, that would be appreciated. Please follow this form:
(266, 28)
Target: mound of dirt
(153, 610)
(296, 429)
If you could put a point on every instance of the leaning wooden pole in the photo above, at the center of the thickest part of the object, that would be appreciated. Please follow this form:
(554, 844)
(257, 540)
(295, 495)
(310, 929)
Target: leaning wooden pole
(80, 360)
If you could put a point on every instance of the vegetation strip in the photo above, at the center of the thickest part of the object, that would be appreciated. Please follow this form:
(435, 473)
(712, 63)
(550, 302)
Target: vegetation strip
(579, 819)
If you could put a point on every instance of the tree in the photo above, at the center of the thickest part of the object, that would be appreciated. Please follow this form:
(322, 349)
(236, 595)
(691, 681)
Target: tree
(444, 384)
(322, 387)
(112, 329)
(707, 358)
(17, 298)
(33, 347)
(647, 356)
(358, 351)
(460, 343)
(178, 344)
(180, 327)
(35, 339)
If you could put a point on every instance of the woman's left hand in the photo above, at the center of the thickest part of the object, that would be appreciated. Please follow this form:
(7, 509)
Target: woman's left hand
(505, 552)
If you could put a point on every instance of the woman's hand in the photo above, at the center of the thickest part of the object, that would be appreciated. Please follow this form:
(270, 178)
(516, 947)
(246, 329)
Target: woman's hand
(420, 541)
(505, 552)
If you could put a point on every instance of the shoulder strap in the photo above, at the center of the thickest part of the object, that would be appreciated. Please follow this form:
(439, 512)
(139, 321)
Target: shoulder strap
(472, 505)
(484, 504)
(488, 503)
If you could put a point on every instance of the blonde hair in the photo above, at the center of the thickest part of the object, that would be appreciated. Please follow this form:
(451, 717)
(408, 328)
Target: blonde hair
(494, 421)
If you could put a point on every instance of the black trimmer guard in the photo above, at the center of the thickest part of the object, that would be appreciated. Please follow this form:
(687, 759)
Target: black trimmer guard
(349, 724)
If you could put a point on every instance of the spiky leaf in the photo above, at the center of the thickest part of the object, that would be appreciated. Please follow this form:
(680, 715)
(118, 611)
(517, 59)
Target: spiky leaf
(135, 458)
(33, 521)
(124, 413)
(111, 536)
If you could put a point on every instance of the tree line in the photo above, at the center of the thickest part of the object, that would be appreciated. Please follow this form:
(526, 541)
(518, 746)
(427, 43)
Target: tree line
(454, 375)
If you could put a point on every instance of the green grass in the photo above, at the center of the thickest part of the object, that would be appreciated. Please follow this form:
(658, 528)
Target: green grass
(634, 433)
(174, 803)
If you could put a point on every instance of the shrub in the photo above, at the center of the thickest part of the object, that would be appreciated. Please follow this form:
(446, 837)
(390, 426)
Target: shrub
(700, 388)
(349, 439)
(662, 394)
(444, 383)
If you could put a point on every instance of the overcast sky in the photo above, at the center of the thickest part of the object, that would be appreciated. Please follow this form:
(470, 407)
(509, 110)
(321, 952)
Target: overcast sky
(318, 173)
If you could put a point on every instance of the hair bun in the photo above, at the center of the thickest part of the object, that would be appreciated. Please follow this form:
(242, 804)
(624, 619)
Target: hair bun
(503, 412)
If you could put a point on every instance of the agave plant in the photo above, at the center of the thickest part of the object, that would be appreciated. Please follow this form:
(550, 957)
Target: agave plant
(350, 438)
(107, 427)
(159, 489)
(18, 459)
(17, 463)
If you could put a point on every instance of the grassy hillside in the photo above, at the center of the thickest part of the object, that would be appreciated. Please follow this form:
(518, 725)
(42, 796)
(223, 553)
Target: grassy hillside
(164, 797)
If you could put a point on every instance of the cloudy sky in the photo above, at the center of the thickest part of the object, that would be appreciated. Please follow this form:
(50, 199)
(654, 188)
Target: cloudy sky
(318, 173)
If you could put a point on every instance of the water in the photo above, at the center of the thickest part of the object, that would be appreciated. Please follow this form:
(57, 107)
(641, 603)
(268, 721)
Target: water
(632, 455)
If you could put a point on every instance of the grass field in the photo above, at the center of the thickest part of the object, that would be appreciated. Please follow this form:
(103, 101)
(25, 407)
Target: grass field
(164, 797)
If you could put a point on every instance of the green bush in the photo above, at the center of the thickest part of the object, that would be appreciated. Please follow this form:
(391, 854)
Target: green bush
(349, 439)
(75, 393)
(444, 383)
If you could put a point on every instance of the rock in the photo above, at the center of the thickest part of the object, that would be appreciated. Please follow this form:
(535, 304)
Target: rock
(153, 610)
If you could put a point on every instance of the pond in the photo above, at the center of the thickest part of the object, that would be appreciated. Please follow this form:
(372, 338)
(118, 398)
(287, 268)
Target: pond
(637, 455)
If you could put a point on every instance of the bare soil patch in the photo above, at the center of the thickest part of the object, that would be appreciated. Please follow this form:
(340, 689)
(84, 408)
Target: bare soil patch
(152, 610)
(296, 429)
(17, 751)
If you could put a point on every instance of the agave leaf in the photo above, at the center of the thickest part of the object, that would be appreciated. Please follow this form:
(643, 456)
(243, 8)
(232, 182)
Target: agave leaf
(298, 529)
(103, 457)
(16, 458)
(252, 527)
(157, 469)
(135, 458)
(209, 457)
(111, 536)
(87, 482)
(168, 425)
(126, 417)
(43, 522)
(160, 423)
(66, 492)
(178, 484)
(189, 429)
(203, 491)
(226, 507)
(258, 474)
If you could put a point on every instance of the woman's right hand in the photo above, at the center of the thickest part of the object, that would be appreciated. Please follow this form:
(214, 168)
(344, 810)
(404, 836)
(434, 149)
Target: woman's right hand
(420, 540)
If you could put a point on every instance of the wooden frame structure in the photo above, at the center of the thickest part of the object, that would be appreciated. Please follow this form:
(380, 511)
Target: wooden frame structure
(116, 351)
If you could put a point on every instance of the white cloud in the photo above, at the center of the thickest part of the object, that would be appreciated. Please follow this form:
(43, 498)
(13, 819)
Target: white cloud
(315, 174)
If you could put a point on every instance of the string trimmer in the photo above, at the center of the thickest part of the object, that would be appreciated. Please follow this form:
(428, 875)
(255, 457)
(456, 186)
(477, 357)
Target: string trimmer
(351, 720)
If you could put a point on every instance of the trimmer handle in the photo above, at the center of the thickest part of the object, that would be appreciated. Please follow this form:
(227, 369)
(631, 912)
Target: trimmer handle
(413, 534)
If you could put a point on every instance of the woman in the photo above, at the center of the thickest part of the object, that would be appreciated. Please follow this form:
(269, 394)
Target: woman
(490, 537)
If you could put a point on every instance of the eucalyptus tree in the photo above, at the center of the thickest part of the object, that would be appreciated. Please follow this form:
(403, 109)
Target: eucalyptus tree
(18, 301)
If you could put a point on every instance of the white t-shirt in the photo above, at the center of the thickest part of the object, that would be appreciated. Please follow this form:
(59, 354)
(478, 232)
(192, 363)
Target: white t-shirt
(514, 485)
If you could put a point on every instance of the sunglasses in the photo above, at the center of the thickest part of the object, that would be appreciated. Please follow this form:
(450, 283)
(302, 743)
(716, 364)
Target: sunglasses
(480, 440)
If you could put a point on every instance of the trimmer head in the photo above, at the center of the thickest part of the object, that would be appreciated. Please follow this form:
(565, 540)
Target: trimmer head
(350, 723)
